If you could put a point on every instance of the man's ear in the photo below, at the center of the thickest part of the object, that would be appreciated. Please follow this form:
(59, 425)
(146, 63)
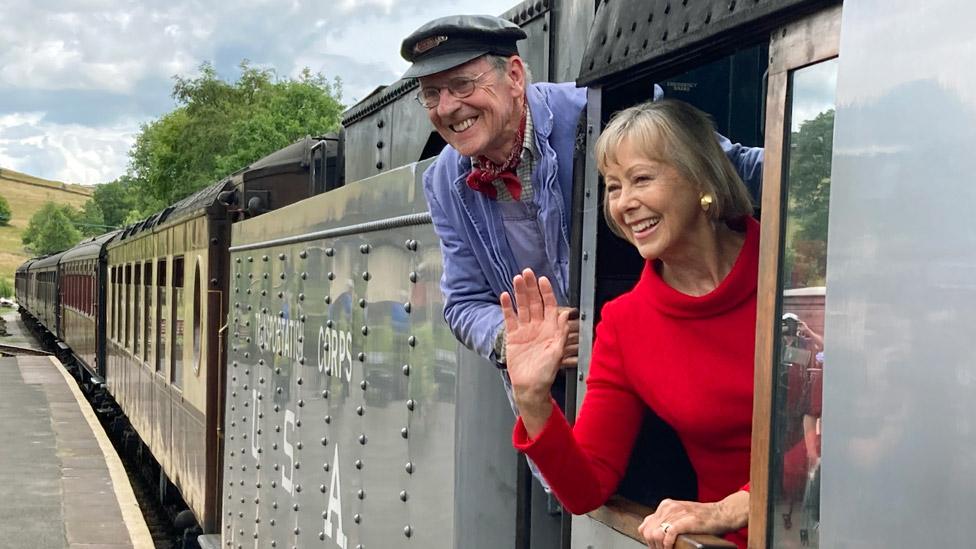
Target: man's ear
(516, 72)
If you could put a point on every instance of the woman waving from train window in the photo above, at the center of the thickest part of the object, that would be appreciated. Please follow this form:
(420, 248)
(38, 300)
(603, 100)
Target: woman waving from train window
(681, 341)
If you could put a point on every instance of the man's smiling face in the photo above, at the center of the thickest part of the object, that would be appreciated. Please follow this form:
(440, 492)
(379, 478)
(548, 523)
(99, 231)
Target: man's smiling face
(485, 122)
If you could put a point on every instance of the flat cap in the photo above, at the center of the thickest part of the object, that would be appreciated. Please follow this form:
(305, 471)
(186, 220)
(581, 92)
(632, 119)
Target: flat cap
(447, 42)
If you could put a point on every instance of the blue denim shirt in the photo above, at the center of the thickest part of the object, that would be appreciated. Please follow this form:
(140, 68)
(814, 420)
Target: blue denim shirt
(478, 263)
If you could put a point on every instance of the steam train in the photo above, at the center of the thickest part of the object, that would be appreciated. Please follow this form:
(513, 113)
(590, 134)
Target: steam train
(277, 339)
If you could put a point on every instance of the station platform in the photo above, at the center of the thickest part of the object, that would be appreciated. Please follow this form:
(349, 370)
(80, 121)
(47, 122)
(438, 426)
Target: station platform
(62, 486)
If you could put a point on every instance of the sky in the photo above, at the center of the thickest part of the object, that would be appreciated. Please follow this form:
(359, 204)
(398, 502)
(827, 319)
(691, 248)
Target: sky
(79, 77)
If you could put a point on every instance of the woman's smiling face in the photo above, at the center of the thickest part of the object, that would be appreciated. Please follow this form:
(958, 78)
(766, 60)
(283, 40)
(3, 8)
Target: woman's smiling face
(655, 207)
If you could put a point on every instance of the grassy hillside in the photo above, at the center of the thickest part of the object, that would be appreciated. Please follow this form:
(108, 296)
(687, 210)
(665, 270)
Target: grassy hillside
(26, 194)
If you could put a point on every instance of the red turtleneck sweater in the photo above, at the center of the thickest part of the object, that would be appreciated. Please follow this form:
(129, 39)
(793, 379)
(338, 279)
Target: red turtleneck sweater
(690, 359)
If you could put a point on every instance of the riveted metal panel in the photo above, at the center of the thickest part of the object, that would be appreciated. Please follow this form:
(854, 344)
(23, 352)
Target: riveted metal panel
(343, 380)
(636, 37)
(570, 22)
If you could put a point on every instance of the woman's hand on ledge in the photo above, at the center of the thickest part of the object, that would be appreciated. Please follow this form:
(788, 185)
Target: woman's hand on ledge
(661, 529)
(535, 346)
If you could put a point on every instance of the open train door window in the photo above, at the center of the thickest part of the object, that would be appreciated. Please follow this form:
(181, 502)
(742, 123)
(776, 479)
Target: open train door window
(785, 470)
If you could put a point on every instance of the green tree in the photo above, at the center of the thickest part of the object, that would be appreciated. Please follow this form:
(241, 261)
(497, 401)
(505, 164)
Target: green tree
(114, 200)
(4, 211)
(51, 229)
(6, 288)
(810, 163)
(220, 127)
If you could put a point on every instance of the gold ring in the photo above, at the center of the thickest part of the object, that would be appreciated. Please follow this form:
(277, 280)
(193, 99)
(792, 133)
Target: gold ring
(665, 526)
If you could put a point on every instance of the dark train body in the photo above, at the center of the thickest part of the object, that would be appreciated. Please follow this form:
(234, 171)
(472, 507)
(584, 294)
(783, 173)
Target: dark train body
(277, 339)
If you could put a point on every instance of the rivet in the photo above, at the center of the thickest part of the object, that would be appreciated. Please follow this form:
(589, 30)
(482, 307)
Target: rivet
(322, 488)
(365, 330)
(404, 433)
(298, 381)
(407, 531)
(366, 275)
(586, 255)
(582, 315)
(328, 299)
(359, 410)
(330, 275)
(363, 384)
(329, 252)
(580, 376)
(264, 258)
(356, 518)
(403, 495)
(362, 439)
(304, 275)
(364, 248)
(407, 306)
(325, 441)
(408, 468)
(301, 297)
(361, 357)
(359, 464)
(325, 394)
(303, 254)
(413, 276)
(412, 341)
(328, 419)
(361, 494)
(325, 467)
(281, 256)
(411, 404)
(362, 303)
(406, 369)
(379, 165)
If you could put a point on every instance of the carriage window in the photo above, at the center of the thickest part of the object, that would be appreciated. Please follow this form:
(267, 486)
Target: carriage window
(147, 310)
(126, 305)
(112, 322)
(160, 315)
(800, 353)
(197, 294)
(177, 315)
(137, 309)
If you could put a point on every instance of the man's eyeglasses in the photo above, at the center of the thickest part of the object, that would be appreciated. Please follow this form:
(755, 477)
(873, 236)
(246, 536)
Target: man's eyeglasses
(460, 87)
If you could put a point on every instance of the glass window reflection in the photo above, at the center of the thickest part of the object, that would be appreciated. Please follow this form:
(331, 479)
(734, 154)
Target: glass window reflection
(795, 467)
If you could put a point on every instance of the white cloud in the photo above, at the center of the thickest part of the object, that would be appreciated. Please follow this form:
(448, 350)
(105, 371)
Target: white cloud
(65, 152)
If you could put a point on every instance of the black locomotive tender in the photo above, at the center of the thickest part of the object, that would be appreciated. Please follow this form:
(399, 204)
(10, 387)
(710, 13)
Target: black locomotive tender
(276, 340)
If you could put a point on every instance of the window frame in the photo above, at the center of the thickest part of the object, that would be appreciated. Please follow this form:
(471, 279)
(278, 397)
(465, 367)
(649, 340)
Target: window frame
(807, 41)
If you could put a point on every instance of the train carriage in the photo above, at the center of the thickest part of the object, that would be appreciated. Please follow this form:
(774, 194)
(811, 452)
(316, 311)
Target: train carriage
(44, 296)
(167, 302)
(82, 272)
(22, 284)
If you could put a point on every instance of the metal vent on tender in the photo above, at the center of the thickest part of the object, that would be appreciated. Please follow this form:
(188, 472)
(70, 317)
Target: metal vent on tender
(631, 36)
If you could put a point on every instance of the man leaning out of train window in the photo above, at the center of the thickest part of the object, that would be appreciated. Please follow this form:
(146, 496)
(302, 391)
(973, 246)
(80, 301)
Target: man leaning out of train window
(500, 192)
(682, 336)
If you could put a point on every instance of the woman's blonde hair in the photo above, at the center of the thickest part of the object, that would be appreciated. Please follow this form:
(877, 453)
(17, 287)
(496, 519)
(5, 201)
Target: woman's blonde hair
(678, 134)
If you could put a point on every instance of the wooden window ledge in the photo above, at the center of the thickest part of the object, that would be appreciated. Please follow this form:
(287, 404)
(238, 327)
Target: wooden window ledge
(625, 516)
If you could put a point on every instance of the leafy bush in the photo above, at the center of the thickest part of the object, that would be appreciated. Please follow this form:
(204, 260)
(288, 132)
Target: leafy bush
(4, 211)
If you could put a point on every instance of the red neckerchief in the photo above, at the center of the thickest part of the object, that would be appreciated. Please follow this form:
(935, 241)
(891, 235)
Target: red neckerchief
(486, 172)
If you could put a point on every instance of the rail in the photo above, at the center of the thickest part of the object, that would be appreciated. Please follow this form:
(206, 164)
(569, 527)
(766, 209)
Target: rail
(14, 350)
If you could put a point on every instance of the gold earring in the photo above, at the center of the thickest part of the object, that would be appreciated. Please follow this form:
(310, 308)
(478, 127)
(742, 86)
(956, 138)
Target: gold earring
(706, 201)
